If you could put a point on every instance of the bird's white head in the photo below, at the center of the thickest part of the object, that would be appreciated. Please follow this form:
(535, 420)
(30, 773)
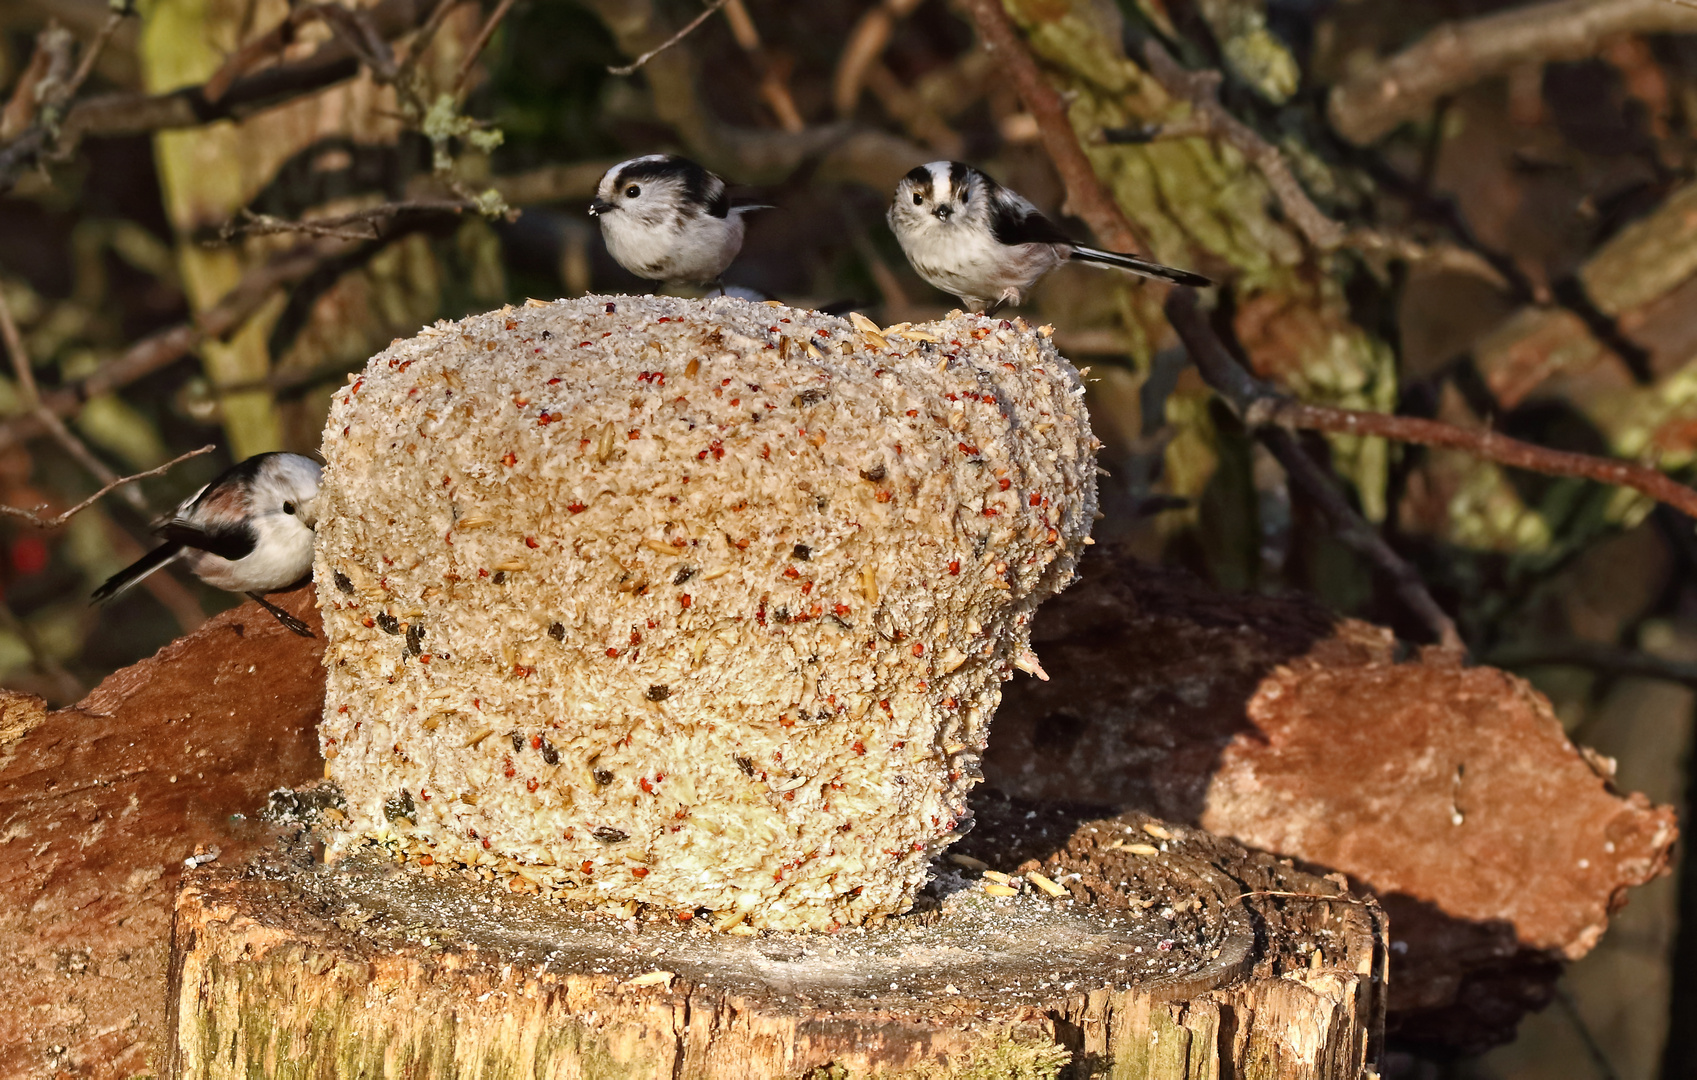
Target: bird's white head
(936, 197)
(656, 188)
(285, 486)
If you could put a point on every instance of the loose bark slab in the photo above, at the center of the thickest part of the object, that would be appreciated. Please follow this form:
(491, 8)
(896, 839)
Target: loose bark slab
(1198, 960)
(1498, 847)
(101, 803)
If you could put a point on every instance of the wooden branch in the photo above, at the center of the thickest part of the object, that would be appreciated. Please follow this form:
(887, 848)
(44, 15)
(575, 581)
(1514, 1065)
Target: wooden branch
(1456, 54)
(1603, 659)
(1086, 197)
(1201, 90)
(167, 346)
(689, 28)
(358, 225)
(133, 114)
(866, 43)
(32, 517)
(479, 43)
(1261, 407)
(24, 371)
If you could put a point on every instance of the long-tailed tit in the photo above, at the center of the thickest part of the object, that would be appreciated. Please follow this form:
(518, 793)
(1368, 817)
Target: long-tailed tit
(248, 531)
(970, 236)
(665, 218)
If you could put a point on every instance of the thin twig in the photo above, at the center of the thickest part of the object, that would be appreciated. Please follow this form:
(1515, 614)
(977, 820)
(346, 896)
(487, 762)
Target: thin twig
(1606, 659)
(358, 225)
(91, 54)
(166, 347)
(136, 114)
(25, 374)
(64, 682)
(1454, 55)
(32, 518)
(479, 43)
(1262, 407)
(1085, 194)
(689, 28)
(1201, 90)
(1243, 393)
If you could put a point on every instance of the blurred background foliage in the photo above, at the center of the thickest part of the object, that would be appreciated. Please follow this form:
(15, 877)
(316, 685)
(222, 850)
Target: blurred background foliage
(1502, 236)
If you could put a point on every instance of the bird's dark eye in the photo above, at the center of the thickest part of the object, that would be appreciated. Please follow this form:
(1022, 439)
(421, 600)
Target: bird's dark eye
(288, 508)
(632, 192)
(918, 199)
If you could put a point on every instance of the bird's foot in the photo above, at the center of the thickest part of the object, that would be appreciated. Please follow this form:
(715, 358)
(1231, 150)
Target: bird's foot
(289, 621)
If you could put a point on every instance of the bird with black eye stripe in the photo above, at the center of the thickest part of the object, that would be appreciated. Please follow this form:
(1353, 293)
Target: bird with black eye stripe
(248, 531)
(974, 238)
(667, 219)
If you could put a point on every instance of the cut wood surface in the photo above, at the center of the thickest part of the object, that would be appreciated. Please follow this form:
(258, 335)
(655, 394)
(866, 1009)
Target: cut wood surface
(1159, 953)
(101, 803)
(1497, 846)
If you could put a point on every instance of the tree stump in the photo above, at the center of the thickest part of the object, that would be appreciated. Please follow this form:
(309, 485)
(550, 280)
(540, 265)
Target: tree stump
(1053, 942)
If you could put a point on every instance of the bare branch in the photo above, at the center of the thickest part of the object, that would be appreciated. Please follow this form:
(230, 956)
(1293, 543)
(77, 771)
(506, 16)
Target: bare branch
(866, 43)
(135, 114)
(32, 517)
(689, 28)
(85, 67)
(1243, 393)
(64, 682)
(166, 347)
(1085, 194)
(1456, 54)
(1201, 90)
(25, 374)
(480, 43)
(1605, 659)
(358, 225)
(1262, 407)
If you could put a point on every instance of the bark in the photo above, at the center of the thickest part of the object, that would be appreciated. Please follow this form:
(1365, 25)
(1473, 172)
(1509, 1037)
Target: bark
(1201, 960)
(1497, 846)
(99, 806)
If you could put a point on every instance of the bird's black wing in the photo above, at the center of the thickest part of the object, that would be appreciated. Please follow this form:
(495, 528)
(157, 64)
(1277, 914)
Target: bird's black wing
(232, 540)
(1014, 221)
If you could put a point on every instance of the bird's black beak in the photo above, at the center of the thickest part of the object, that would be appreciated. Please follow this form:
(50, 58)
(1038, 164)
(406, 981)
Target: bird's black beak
(600, 206)
(944, 212)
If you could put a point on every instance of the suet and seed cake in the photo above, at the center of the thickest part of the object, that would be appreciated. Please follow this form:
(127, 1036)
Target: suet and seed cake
(702, 604)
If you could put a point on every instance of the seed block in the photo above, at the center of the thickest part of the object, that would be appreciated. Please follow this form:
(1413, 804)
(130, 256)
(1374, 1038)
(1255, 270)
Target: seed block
(701, 604)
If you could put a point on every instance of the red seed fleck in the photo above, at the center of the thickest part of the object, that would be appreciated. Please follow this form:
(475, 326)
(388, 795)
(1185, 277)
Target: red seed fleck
(806, 587)
(918, 649)
(913, 412)
(551, 382)
(587, 867)
(859, 748)
(576, 508)
(991, 511)
(954, 566)
(1003, 484)
(646, 786)
(530, 542)
(786, 720)
(840, 609)
(530, 785)
(636, 433)
(791, 572)
(1036, 500)
(509, 459)
(684, 600)
(641, 871)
